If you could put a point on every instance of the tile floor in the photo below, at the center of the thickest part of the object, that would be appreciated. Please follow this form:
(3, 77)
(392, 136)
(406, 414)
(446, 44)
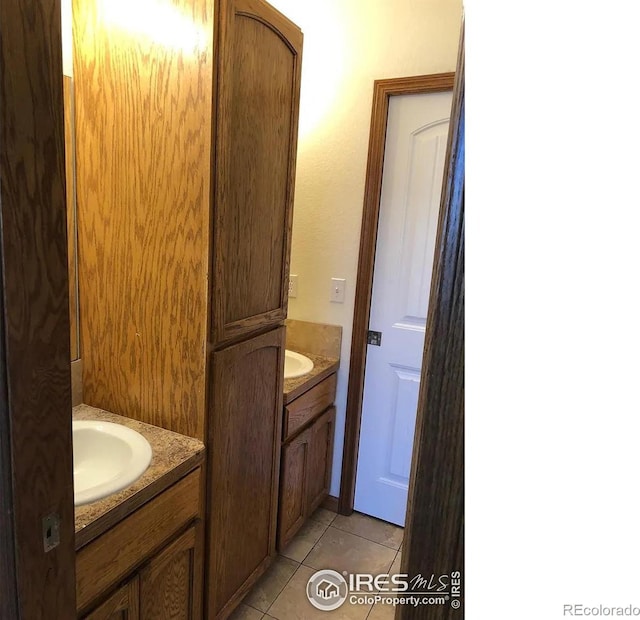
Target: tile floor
(356, 544)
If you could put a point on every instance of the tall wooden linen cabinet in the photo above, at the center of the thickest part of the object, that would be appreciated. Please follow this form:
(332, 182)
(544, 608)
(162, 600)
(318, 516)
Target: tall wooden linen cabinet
(186, 133)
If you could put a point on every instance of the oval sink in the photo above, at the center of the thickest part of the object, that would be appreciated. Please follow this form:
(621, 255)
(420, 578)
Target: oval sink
(107, 457)
(296, 365)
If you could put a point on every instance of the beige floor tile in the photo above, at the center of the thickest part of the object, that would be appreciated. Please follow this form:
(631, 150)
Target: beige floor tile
(378, 531)
(244, 612)
(395, 567)
(292, 603)
(271, 583)
(382, 612)
(304, 540)
(343, 551)
(323, 515)
(387, 611)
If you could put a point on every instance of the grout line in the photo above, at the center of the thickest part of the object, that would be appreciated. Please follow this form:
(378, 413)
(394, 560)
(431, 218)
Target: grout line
(324, 522)
(251, 606)
(365, 538)
(284, 586)
(314, 546)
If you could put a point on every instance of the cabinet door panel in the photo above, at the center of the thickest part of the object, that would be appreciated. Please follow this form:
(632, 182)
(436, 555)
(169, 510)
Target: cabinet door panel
(256, 139)
(244, 457)
(320, 457)
(123, 604)
(293, 488)
(170, 585)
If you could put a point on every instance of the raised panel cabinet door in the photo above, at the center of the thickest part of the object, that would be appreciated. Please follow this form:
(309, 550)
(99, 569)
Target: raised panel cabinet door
(245, 422)
(320, 458)
(259, 65)
(293, 487)
(123, 604)
(171, 583)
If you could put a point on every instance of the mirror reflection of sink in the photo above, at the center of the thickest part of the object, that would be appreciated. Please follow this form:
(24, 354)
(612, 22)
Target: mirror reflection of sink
(107, 458)
(296, 365)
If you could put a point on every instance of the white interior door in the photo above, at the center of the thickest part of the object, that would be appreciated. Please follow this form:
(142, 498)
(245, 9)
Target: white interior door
(414, 160)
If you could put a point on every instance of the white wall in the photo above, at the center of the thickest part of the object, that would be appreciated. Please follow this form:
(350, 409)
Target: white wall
(347, 45)
(67, 38)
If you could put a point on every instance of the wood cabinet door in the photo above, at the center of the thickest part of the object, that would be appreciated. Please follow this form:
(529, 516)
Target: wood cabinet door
(171, 583)
(259, 63)
(320, 458)
(245, 422)
(293, 487)
(123, 604)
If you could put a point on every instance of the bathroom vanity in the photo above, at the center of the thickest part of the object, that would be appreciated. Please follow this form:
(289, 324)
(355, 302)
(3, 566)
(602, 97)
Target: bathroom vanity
(139, 551)
(308, 426)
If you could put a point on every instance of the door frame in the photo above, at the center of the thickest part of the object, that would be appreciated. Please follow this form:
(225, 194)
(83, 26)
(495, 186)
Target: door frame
(383, 90)
(36, 469)
(434, 531)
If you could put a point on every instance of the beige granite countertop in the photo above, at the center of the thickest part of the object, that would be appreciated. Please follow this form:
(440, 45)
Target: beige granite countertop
(322, 368)
(174, 455)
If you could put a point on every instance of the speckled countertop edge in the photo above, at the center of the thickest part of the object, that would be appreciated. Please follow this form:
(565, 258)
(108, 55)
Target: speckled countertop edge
(170, 451)
(322, 368)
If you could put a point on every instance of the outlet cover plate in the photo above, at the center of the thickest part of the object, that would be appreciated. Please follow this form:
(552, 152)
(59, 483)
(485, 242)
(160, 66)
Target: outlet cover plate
(293, 286)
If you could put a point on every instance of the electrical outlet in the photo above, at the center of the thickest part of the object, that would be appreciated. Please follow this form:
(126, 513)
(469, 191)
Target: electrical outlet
(293, 286)
(337, 290)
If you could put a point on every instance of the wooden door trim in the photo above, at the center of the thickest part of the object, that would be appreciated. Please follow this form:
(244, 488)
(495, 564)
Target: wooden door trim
(35, 371)
(8, 583)
(383, 90)
(434, 532)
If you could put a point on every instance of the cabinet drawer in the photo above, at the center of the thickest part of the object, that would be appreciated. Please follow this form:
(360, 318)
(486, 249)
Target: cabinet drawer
(305, 408)
(109, 558)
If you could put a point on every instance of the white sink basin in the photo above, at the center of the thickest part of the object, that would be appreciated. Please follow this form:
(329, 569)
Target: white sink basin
(107, 457)
(296, 365)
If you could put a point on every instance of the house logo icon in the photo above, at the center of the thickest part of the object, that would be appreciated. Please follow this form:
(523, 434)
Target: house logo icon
(327, 590)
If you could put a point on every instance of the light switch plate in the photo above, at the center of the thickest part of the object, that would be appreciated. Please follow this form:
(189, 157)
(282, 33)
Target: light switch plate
(337, 290)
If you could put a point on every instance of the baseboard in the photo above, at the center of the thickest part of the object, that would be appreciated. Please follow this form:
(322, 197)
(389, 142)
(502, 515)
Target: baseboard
(330, 503)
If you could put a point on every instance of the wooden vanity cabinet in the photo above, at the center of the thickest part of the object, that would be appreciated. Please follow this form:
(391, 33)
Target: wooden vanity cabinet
(307, 453)
(149, 565)
(168, 586)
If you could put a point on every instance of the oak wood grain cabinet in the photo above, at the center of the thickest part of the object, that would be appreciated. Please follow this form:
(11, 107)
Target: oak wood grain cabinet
(167, 586)
(306, 457)
(170, 585)
(123, 604)
(185, 164)
(153, 555)
(244, 461)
